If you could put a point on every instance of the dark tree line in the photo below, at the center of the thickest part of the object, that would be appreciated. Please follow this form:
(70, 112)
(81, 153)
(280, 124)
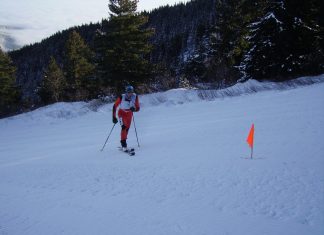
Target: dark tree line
(9, 92)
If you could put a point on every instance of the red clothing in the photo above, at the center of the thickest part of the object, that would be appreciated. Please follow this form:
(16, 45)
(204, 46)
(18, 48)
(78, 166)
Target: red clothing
(125, 115)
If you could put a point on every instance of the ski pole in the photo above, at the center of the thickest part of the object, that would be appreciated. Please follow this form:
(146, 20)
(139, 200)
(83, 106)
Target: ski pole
(107, 138)
(136, 131)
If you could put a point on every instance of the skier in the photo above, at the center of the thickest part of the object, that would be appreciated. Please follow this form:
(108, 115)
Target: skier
(128, 103)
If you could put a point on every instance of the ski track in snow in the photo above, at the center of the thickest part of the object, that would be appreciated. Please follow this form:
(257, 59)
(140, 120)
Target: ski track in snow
(192, 174)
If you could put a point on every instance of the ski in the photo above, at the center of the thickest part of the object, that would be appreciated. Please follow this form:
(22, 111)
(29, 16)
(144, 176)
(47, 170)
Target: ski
(129, 151)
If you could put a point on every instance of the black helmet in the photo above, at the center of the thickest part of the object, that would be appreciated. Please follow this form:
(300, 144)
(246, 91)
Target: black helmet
(129, 89)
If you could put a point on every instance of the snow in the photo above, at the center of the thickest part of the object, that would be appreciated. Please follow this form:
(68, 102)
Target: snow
(272, 16)
(191, 175)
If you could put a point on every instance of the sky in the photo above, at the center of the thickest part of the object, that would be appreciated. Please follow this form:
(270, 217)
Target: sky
(25, 22)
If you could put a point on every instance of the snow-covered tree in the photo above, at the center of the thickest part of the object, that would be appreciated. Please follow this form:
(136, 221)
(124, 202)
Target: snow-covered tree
(282, 44)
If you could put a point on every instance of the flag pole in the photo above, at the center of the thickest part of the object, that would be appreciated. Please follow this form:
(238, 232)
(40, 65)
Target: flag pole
(251, 152)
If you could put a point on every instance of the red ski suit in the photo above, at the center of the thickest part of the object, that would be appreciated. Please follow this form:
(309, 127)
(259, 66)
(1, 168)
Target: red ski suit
(126, 102)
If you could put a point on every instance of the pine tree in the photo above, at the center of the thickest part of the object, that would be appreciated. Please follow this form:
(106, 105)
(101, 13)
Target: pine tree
(54, 83)
(79, 67)
(307, 30)
(228, 39)
(284, 42)
(124, 46)
(9, 93)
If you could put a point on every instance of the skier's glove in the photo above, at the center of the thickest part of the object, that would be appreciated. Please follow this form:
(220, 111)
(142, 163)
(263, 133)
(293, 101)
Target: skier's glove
(115, 120)
(132, 109)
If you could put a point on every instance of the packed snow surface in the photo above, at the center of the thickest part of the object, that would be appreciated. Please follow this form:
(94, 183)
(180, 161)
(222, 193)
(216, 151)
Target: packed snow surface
(192, 173)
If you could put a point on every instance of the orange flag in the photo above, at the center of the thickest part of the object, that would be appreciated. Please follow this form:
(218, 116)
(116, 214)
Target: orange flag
(250, 138)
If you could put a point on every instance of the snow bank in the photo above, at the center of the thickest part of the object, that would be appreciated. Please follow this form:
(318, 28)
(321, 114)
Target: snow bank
(181, 96)
(64, 110)
(57, 111)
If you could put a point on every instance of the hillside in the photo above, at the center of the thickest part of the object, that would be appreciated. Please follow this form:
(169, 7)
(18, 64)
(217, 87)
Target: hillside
(174, 39)
(191, 175)
(205, 41)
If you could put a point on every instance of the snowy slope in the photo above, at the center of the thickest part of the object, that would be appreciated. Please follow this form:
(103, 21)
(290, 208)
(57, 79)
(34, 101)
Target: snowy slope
(191, 175)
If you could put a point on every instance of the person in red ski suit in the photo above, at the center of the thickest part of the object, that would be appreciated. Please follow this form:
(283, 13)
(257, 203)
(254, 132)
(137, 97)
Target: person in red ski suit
(128, 103)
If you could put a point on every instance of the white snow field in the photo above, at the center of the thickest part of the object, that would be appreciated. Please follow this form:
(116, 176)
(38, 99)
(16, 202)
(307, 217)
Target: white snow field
(192, 174)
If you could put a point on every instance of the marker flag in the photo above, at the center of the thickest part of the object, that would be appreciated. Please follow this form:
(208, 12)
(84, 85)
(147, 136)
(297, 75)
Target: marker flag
(250, 138)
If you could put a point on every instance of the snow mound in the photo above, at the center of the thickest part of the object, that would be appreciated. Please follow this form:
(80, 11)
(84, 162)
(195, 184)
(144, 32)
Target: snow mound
(172, 97)
(61, 110)
(181, 96)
